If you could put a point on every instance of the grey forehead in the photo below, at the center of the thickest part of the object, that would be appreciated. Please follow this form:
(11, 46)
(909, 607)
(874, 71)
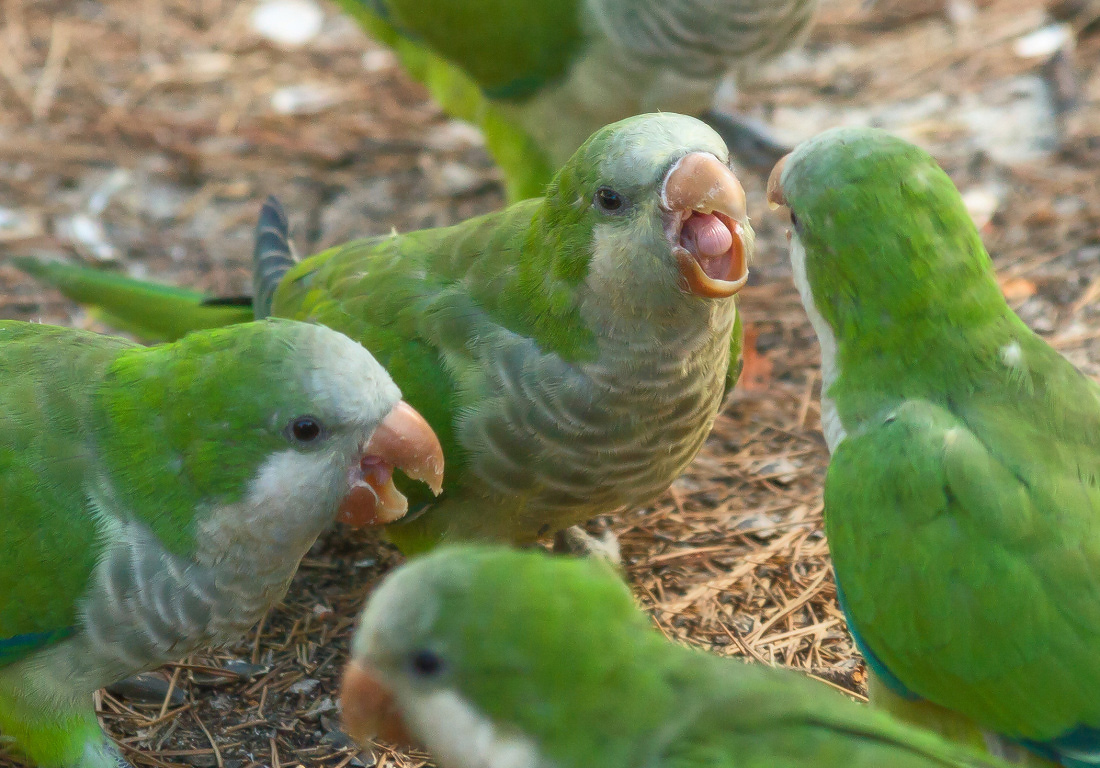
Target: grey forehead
(640, 154)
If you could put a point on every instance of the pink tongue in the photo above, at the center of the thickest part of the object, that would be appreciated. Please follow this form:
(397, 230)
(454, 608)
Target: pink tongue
(709, 235)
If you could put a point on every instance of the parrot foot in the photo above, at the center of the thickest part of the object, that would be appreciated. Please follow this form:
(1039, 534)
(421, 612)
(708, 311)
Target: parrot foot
(577, 541)
(102, 754)
(750, 141)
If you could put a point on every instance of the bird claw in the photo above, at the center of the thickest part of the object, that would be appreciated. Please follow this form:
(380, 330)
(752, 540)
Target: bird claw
(577, 541)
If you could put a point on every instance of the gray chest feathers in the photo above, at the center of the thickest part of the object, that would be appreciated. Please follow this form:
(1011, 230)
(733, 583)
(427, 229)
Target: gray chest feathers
(147, 606)
(588, 438)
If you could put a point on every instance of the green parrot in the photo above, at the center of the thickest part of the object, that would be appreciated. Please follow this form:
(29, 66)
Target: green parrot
(962, 499)
(157, 500)
(570, 351)
(539, 76)
(493, 657)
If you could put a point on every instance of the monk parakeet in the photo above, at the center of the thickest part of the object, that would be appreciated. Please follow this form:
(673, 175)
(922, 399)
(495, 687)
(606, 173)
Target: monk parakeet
(962, 500)
(570, 351)
(156, 500)
(539, 76)
(493, 657)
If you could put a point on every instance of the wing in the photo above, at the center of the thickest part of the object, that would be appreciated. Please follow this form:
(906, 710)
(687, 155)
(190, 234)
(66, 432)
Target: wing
(737, 362)
(50, 543)
(510, 50)
(967, 543)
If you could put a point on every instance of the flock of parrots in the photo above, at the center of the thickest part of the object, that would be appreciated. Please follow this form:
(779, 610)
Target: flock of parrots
(479, 387)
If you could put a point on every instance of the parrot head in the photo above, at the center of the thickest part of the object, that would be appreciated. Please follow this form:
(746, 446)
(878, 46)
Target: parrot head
(646, 215)
(492, 656)
(882, 245)
(274, 419)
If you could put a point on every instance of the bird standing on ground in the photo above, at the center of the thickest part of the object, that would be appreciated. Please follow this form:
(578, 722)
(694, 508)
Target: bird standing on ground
(571, 351)
(158, 500)
(962, 500)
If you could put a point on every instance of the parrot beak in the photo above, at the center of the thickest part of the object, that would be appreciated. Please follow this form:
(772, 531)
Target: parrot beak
(369, 710)
(706, 225)
(776, 198)
(402, 441)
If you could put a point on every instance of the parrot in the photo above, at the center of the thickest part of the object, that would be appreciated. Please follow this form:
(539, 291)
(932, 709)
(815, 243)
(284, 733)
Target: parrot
(157, 500)
(538, 77)
(488, 656)
(571, 351)
(962, 497)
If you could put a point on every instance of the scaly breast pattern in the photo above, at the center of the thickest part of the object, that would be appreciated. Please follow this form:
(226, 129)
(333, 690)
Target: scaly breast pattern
(578, 440)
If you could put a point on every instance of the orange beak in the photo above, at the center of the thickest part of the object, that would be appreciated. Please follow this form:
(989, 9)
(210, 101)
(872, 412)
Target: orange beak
(708, 226)
(776, 198)
(402, 441)
(369, 710)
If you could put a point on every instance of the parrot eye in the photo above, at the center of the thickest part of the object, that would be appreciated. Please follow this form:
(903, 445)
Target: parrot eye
(610, 201)
(426, 663)
(305, 429)
(795, 223)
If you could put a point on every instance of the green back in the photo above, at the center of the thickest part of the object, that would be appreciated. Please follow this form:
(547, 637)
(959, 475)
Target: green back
(555, 649)
(962, 507)
(48, 377)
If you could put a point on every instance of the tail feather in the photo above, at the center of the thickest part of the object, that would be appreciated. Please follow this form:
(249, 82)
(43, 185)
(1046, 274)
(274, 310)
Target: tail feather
(151, 311)
(273, 255)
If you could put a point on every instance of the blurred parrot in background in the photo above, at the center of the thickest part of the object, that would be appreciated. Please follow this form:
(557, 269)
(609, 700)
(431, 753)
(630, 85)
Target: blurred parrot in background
(571, 351)
(962, 500)
(156, 500)
(492, 657)
(539, 76)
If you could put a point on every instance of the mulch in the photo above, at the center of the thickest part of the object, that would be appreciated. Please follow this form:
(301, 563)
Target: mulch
(144, 134)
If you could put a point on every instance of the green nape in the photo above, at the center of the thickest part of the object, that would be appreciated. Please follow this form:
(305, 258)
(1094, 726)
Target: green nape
(150, 311)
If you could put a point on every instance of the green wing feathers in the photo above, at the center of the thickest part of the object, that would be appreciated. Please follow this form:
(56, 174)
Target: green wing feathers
(990, 537)
(48, 375)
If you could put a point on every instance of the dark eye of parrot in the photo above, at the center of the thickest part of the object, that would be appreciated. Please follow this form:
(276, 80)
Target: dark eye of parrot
(795, 223)
(610, 201)
(305, 429)
(426, 663)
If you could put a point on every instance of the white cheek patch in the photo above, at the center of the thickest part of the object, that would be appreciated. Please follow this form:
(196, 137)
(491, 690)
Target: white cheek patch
(459, 736)
(291, 476)
(826, 339)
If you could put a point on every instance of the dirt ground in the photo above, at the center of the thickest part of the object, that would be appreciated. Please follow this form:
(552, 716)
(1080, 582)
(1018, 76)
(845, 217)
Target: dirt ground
(145, 133)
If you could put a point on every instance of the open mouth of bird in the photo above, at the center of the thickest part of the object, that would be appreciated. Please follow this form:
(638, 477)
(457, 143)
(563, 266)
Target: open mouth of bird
(369, 709)
(402, 441)
(706, 224)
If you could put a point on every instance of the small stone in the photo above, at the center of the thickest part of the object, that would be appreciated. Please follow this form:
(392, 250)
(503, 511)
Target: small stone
(147, 688)
(304, 686)
(292, 23)
(304, 99)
